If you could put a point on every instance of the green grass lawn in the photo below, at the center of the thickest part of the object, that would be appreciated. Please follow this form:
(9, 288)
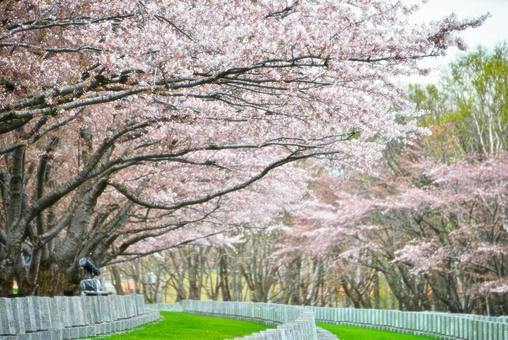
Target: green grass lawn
(345, 332)
(183, 326)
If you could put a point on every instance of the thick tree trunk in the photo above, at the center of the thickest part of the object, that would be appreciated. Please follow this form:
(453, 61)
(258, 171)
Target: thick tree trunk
(194, 277)
(117, 280)
(5, 287)
(237, 286)
(376, 288)
(26, 288)
(54, 283)
(194, 290)
(224, 277)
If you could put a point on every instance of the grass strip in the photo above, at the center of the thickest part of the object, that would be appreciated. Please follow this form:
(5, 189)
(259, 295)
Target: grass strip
(189, 326)
(346, 332)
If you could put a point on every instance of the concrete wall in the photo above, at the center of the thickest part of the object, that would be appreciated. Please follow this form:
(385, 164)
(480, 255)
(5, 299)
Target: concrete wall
(72, 317)
(438, 324)
(84, 316)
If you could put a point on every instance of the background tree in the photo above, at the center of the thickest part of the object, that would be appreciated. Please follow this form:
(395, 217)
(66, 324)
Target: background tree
(468, 109)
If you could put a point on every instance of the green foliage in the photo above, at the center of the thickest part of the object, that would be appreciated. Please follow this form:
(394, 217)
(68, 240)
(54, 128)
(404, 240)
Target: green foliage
(188, 326)
(344, 332)
(468, 108)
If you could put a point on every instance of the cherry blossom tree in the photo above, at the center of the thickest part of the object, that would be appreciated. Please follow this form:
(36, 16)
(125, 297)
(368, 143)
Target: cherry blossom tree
(123, 122)
(465, 241)
(438, 235)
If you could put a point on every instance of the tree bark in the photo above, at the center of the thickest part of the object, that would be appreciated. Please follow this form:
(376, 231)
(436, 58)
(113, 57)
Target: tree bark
(5, 287)
(224, 279)
(117, 280)
(54, 282)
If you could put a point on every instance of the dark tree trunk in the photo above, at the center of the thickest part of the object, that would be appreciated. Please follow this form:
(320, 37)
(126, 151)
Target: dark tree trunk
(55, 282)
(194, 266)
(6, 287)
(224, 279)
(377, 302)
(117, 280)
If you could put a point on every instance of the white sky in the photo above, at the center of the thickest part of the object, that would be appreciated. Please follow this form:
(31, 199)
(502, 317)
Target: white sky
(493, 31)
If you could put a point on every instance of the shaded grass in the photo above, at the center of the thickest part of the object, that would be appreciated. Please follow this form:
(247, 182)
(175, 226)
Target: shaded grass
(345, 332)
(184, 326)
